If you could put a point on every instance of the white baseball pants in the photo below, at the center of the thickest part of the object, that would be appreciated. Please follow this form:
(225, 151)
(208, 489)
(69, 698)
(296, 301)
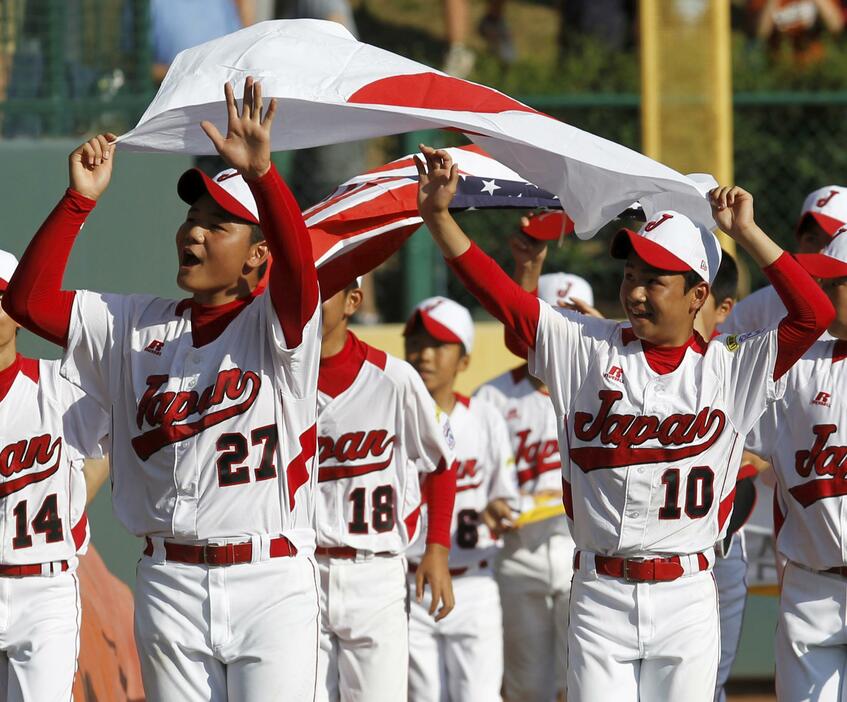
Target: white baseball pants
(642, 641)
(364, 638)
(811, 636)
(460, 658)
(731, 578)
(535, 587)
(237, 633)
(39, 637)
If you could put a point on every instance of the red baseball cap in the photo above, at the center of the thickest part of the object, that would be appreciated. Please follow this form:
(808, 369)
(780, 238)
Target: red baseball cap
(227, 188)
(445, 320)
(670, 241)
(829, 263)
(827, 206)
(547, 226)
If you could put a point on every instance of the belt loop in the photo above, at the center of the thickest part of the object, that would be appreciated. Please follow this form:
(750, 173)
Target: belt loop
(363, 556)
(261, 547)
(158, 555)
(47, 568)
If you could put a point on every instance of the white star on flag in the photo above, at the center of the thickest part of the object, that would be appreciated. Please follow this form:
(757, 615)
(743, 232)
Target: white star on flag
(489, 186)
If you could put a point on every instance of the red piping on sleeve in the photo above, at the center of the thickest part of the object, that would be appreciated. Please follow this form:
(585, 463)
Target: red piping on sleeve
(517, 309)
(293, 281)
(809, 311)
(34, 297)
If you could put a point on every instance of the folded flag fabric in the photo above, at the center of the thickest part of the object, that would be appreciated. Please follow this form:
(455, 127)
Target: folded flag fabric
(378, 209)
(333, 88)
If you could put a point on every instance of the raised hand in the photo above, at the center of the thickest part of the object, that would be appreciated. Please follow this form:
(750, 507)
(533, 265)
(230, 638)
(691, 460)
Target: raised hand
(90, 165)
(527, 251)
(438, 181)
(247, 145)
(732, 208)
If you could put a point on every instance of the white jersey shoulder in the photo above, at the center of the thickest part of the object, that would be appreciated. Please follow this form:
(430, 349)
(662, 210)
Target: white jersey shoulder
(209, 442)
(762, 309)
(373, 440)
(650, 458)
(804, 435)
(47, 428)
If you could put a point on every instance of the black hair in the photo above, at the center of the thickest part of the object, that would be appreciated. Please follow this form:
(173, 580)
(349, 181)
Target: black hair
(690, 279)
(257, 235)
(725, 284)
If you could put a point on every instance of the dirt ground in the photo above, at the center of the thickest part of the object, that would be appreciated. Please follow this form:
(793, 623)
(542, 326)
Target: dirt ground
(750, 692)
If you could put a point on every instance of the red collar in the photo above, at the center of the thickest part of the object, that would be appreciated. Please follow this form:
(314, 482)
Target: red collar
(338, 372)
(27, 366)
(208, 322)
(665, 359)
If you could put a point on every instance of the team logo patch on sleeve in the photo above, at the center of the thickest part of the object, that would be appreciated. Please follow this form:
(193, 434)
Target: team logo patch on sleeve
(734, 341)
(444, 420)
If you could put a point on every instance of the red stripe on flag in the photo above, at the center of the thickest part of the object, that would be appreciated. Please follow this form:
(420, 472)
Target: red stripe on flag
(436, 92)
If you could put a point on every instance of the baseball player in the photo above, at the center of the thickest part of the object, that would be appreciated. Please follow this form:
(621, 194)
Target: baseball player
(213, 404)
(47, 427)
(650, 417)
(824, 211)
(460, 659)
(534, 570)
(730, 569)
(377, 428)
(803, 435)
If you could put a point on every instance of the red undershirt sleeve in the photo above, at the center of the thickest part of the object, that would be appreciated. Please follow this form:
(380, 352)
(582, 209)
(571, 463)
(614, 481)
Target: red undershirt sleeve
(513, 341)
(440, 493)
(516, 308)
(292, 280)
(809, 311)
(34, 297)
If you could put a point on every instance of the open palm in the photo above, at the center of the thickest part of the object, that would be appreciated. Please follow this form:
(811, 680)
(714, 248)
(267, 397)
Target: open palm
(247, 144)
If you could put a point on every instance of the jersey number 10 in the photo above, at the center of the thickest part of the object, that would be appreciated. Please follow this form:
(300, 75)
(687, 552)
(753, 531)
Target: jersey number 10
(699, 493)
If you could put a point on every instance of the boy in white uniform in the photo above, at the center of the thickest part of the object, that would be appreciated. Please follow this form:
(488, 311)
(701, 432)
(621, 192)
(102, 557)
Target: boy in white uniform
(460, 659)
(805, 438)
(213, 404)
(535, 567)
(650, 418)
(47, 428)
(379, 431)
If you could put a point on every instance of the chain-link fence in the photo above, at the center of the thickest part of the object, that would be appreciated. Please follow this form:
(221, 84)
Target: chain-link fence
(73, 67)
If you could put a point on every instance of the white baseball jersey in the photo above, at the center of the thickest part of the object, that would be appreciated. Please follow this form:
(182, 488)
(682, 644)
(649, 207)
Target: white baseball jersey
(805, 438)
(484, 472)
(210, 442)
(762, 309)
(532, 427)
(651, 458)
(373, 438)
(47, 428)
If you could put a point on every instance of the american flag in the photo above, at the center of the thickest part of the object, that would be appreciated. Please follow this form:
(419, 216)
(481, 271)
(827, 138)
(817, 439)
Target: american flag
(369, 217)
